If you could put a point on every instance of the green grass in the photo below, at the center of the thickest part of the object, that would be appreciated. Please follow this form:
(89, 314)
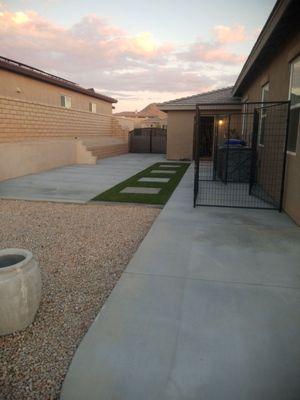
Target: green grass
(161, 198)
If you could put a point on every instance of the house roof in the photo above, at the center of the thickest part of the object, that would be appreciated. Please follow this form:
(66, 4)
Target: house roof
(38, 74)
(189, 103)
(152, 110)
(283, 19)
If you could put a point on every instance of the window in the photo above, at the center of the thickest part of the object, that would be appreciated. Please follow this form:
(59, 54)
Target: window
(65, 101)
(294, 97)
(263, 114)
(93, 107)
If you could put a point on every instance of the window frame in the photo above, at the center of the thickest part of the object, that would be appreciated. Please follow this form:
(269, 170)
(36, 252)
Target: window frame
(67, 101)
(262, 114)
(295, 106)
(93, 107)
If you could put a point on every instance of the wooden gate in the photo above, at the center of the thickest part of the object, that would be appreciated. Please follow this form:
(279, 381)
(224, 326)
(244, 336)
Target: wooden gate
(148, 140)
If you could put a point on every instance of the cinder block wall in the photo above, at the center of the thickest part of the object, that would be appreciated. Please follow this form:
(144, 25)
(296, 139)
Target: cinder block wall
(36, 137)
(21, 120)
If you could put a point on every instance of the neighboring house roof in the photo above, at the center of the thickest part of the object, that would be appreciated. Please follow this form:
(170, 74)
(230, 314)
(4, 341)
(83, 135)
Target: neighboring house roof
(38, 74)
(150, 111)
(283, 19)
(189, 103)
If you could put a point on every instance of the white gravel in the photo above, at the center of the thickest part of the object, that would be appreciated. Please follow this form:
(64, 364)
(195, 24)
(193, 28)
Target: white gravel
(82, 250)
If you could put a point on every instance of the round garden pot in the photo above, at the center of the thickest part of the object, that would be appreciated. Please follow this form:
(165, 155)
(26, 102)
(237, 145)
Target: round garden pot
(20, 289)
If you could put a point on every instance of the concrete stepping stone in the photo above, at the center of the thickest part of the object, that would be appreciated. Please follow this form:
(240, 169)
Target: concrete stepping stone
(141, 190)
(163, 180)
(161, 171)
(169, 166)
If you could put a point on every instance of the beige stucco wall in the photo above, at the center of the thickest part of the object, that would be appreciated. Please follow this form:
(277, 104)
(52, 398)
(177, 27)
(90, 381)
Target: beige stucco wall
(25, 88)
(26, 157)
(180, 134)
(277, 73)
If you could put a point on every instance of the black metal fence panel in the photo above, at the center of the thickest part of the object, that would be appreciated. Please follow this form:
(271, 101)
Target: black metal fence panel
(240, 158)
(148, 140)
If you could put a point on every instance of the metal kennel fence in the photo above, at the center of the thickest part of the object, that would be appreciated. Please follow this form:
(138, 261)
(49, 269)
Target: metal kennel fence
(240, 154)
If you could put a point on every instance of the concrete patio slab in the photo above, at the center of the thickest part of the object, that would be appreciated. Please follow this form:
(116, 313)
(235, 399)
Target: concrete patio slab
(77, 183)
(226, 252)
(205, 342)
(162, 180)
(141, 190)
(208, 308)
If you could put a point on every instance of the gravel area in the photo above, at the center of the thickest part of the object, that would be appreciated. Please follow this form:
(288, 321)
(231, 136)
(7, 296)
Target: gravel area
(82, 250)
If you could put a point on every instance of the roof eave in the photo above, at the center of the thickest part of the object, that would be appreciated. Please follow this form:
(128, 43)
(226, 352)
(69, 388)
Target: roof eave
(207, 106)
(62, 84)
(170, 107)
(275, 16)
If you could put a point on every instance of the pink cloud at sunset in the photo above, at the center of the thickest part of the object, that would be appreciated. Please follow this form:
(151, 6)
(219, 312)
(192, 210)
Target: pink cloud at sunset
(96, 53)
(230, 34)
(92, 35)
(212, 53)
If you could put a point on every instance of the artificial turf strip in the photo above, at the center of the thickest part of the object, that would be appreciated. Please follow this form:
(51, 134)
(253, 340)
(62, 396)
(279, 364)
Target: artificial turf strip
(113, 194)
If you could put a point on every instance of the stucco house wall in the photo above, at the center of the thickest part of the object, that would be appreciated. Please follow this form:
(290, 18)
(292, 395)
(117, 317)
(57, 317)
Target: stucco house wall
(180, 134)
(276, 72)
(25, 88)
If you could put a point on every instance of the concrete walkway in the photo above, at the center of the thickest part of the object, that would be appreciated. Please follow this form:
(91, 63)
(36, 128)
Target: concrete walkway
(208, 309)
(77, 183)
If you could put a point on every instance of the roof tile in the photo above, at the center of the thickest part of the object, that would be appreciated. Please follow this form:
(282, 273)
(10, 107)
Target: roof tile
(215, 96)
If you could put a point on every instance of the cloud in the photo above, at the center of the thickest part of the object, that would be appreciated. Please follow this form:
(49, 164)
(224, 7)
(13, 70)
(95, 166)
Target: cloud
(92, 43)
(96, 53)
(91, 40)
(229, 34)
(160, 79)
(20, 18)
(217, 51)
(93, 27)
(211, 53)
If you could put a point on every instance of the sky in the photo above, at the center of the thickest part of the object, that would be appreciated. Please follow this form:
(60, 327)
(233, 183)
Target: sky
(138, 52)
